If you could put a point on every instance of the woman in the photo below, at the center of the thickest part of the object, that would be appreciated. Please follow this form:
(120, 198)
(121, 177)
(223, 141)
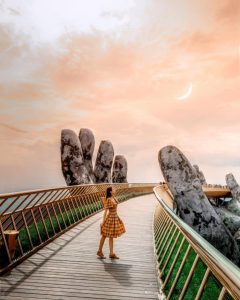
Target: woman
(112, 226)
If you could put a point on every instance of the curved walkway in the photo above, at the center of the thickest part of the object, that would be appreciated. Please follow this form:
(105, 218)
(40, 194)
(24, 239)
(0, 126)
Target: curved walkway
(68, 267)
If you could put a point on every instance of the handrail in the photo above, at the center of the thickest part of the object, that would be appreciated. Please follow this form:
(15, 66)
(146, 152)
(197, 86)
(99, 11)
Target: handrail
(42, 215)
(8, 200)
(13, 194)
(226, 273)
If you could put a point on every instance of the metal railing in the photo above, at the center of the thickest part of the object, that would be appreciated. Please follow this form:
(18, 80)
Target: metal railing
(188, 266)
(42, 215)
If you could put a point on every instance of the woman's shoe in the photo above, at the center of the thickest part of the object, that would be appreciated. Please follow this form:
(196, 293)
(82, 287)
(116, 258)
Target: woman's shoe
(114, 256)
(100, 255)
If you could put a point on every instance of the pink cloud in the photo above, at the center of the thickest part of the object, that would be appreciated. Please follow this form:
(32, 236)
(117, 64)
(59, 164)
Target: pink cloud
(124, 90)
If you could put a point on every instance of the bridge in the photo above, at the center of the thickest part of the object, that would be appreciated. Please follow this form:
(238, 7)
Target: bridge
(57, 236)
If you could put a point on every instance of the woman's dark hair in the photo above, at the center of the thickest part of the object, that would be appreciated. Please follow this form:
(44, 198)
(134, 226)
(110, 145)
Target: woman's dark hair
(108, 192)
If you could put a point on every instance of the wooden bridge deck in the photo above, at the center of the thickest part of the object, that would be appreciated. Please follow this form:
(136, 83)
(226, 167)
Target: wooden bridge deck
(68, 267)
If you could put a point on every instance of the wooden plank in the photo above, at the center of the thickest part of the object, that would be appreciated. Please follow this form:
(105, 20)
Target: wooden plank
(68, 267)
(78, 290)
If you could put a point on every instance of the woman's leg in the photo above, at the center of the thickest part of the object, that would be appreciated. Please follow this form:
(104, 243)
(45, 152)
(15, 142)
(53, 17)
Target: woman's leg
(111, 245)
(102, 240)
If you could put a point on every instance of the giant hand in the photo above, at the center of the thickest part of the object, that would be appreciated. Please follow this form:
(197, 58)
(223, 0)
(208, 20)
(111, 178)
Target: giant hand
(76, 159)
(193, 205)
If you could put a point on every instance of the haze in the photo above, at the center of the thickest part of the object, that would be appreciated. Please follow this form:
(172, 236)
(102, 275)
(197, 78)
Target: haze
(116, 67)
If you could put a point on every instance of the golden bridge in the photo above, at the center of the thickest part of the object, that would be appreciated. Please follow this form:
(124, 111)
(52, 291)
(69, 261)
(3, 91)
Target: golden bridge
(49, 239)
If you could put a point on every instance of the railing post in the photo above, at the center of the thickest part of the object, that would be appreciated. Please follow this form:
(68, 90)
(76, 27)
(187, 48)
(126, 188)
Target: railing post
(5, 242)
(199, 254)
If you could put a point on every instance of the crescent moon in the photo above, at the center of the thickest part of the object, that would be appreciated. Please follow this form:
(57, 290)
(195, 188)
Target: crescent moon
(187, 94)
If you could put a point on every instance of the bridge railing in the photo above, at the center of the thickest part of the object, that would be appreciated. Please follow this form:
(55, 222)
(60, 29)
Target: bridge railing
(189, 267)
(40, 216)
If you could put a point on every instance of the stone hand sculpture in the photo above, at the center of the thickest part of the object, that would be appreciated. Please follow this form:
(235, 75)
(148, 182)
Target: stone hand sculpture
(234, 204)
(76, 158)
(194, 207)
(73, 166)
(87, 142)
(119, 173)
(200, 174)
(102, 170)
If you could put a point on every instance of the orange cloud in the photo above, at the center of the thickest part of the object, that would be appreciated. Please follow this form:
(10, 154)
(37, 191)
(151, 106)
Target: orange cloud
(125, 90)
(21, 91)
(229, 12)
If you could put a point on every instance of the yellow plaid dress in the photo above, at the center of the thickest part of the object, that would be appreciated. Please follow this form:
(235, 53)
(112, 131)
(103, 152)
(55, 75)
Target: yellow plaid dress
(113, 226)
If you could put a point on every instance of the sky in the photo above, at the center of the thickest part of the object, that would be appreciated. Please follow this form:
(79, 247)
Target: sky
(117, 68)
